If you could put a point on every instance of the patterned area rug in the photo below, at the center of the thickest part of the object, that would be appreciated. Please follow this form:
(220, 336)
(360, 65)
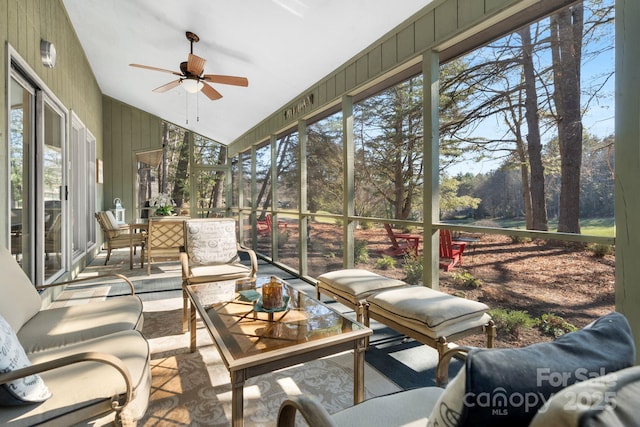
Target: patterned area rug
(193, 389)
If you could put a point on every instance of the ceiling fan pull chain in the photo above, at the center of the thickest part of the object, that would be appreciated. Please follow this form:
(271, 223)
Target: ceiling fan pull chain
(198, 106)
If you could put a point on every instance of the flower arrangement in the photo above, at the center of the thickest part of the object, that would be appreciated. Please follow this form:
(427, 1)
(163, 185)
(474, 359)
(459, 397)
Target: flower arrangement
(163, 203)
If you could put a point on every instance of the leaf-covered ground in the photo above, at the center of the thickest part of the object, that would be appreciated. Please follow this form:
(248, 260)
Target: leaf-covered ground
(537, 277)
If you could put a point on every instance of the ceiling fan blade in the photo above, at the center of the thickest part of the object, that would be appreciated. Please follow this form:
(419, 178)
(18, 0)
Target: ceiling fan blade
(211, 93)
(227, 80)
(195, 65)
(167, 86)
(156, 69)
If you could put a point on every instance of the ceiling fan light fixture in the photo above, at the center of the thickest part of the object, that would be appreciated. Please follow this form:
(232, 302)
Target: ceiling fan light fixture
(191, 75)
(191, 85)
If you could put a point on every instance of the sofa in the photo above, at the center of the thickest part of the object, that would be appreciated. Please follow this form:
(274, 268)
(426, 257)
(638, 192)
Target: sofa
(584, 378)
(84, 364)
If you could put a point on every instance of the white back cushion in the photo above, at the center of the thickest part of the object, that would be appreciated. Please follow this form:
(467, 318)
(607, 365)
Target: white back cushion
(211, 241)
(21, 301)
(112, 221)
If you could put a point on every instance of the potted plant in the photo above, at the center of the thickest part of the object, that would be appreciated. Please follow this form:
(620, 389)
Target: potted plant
(163, 204)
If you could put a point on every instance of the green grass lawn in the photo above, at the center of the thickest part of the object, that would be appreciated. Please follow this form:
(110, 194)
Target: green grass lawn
(593, 226)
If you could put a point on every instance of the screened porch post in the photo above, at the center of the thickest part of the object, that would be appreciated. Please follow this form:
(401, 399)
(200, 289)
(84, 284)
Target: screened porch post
(627, 153)
(431, 188)
(348, 210)
(303, 220)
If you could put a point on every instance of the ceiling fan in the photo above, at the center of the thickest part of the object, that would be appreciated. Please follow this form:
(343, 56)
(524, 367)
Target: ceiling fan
(191, 77)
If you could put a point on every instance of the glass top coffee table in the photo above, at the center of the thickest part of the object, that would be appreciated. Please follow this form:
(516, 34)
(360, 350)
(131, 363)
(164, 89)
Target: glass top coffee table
(253, 341)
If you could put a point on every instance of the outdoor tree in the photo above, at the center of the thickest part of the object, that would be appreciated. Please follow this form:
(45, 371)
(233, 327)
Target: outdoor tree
(450, 200)
(533, 192)
(325, 166)
(181, 173)
(566, 48)
(263, 179)
(517, 107)
(390, 145)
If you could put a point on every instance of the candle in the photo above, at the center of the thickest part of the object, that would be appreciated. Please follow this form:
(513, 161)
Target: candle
(272, 295)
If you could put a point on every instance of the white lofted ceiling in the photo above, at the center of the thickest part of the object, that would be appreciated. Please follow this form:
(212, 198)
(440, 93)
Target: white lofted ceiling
(282, 46)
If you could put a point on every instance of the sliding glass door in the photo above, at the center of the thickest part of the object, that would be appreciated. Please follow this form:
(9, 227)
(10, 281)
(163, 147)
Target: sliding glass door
(54, 190)
(21, 142)
(38, 192)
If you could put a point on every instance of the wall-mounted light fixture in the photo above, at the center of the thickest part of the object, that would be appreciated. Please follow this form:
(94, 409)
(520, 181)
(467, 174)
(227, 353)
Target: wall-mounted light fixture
(48, 54)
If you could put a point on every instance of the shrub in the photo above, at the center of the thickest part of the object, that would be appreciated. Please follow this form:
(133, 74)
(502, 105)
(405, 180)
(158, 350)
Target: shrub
(386, 263)
(466, 279)
(409, 229)
(511, 322)
(283, 238)
(360, 251)
(366, 225)
(600, 250)
(520, 239)
(413, 268)
(555, 326)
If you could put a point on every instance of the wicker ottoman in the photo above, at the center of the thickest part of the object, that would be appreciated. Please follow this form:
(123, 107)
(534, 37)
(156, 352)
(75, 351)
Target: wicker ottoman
(351, 287)
(431, 317)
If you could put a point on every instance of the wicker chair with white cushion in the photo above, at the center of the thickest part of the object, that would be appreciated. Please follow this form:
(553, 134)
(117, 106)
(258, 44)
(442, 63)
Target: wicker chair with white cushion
(211, 255)
(118, 236)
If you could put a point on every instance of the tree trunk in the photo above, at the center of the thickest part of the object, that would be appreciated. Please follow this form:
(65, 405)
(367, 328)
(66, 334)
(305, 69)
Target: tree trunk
(534, 146)
(177, 194)
(566, 48)
(524, 176)
(162, 188)
(266, 193)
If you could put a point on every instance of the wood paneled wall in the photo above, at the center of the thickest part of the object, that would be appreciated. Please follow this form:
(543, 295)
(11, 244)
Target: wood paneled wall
(127, 130)
(23, 23)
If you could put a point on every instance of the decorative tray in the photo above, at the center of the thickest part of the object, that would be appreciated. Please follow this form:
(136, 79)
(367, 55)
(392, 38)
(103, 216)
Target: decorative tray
(259, 307)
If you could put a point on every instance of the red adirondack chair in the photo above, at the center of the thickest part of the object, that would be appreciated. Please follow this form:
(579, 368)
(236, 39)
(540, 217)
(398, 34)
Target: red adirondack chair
(401, 243)
(265, 226)
(450, 252)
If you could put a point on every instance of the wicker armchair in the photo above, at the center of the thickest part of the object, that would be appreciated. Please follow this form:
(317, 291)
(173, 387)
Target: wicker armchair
(211, 255)
(117, 236)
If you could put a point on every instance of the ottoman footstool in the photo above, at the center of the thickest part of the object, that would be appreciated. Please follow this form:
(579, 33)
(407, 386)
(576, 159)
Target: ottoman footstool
(431, 317)
(351, 287)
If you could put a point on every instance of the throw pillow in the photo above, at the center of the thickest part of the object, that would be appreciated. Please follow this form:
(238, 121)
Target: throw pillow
(30, 389)
(448, 409)
(506, 387)
(212, 242)
(610, 400)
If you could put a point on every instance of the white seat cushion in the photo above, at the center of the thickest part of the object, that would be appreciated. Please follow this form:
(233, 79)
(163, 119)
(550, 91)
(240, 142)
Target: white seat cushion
(434, 309)
(59, 327)
(409, 408)
(86, 385)
(220, 271)
(358, 283)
